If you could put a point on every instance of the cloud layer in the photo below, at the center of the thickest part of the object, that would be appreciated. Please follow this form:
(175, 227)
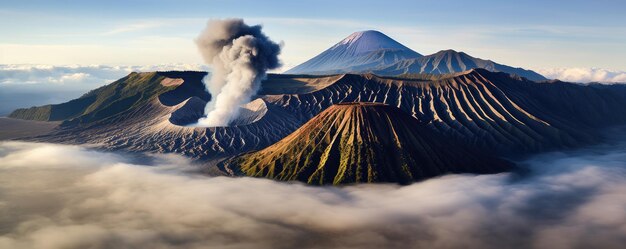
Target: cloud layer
(18, 74)
(585, 75)
(58, 196)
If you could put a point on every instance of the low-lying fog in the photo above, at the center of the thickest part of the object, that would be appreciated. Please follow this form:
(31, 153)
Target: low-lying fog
(59, 196)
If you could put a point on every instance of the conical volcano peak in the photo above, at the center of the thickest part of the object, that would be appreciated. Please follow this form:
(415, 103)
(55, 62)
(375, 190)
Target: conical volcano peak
(359, 52)
(356, 35)
(371, 51)
(369, 40)
(363, 142)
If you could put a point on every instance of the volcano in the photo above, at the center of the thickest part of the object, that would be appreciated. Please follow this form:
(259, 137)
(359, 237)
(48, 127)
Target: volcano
(364, 143)
(359, 52)
(374, 52)
(494, 112)
(424, 129)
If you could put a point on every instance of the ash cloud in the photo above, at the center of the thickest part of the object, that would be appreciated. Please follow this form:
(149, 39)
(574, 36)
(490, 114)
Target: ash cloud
(240, 55)
(59, 196)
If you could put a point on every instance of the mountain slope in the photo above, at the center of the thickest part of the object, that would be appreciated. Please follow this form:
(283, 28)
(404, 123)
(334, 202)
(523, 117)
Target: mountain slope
(158, 123)
(110, 100)
(450, 61)
(360, 51)
(493, 112)
(373, 52)
(363, 143)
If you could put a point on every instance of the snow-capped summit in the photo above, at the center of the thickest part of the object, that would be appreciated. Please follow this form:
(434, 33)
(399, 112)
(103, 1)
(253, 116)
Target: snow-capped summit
(371, 51)
(368, 41)
(360, 51)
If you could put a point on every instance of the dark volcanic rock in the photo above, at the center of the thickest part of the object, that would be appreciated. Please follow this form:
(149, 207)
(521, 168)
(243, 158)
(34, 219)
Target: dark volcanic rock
(493, 112)
(363, 143)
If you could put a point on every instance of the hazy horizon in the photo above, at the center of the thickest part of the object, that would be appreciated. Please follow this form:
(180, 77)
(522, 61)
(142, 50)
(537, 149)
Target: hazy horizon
(530, 34)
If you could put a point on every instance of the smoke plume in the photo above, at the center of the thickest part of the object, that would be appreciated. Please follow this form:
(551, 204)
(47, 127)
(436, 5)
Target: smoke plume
(240, 56)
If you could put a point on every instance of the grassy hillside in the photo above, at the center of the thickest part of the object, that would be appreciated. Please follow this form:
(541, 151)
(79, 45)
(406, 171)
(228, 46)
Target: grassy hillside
(102, 102)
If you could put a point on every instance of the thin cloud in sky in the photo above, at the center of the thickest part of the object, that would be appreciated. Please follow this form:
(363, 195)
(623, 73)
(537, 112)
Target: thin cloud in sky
(525, 35)
(154, 23)
(20, 74)
(131, 28)
(144, 40)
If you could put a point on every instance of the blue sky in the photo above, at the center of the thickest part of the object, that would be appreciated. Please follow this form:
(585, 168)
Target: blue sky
(530, 34)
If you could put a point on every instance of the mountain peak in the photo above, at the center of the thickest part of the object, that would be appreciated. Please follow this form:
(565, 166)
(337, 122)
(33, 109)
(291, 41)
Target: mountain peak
(371, 51)
(358, 52)
(363, 142)
(447, 51)
(451, 52)
(354, 37)
(368, 41)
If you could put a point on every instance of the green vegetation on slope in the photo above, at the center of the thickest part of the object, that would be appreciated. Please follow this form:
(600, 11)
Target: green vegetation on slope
(363, 142)
(101, 103)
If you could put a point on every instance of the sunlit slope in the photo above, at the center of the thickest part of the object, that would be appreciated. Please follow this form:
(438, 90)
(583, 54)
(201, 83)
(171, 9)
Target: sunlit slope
(364, 142)
(494, 112)
(108, 101)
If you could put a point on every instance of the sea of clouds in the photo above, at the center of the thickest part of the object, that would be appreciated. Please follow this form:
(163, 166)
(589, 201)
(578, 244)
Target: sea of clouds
(585, 75)
(61, 196)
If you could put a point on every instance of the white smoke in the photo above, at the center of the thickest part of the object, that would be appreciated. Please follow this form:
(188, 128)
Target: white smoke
(59, 196)
(240, 56)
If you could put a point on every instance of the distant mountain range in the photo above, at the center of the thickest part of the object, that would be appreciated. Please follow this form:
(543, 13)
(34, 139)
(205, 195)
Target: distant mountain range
(374, 52)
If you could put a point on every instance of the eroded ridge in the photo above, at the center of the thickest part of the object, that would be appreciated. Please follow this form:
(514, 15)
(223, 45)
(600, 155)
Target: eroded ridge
(363, 142)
